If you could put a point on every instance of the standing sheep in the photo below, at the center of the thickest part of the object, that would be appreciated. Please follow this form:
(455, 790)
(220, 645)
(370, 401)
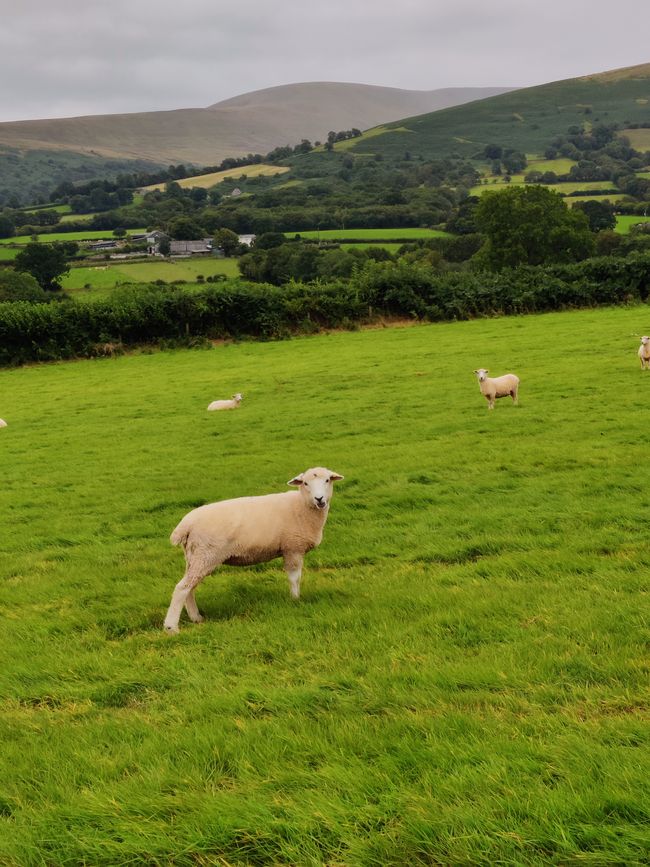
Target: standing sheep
(501, 386)
(644, 353)
(233, 403)
(250, 530)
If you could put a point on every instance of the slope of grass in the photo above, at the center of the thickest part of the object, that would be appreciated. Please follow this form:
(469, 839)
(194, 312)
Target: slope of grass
(465, 678)
(525, 119)
(84, 235)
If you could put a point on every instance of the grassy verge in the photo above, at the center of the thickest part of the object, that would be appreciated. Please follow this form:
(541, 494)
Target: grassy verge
(370, 234)
(465, 678)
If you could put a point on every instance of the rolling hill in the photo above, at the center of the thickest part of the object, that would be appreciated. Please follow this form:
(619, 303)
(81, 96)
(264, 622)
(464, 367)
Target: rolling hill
(525, 119)
(35, 154)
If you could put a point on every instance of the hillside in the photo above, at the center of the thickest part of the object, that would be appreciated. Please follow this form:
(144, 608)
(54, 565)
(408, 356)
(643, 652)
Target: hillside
(253, 122)
(525, 119)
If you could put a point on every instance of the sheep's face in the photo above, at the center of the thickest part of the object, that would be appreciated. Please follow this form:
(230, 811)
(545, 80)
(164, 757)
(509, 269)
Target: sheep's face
(238, 397)
(645, 340)
(316, 485)
(482, 374)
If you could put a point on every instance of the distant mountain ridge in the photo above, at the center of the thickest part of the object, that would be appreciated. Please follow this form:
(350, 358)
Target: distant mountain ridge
(254, 122)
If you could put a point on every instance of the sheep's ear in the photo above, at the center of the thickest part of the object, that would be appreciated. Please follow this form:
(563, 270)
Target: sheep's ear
(297, 480)
(335, 477)
(476, 371)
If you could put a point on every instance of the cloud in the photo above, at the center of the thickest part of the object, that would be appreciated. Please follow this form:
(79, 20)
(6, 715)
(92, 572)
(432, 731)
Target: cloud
(74, 58)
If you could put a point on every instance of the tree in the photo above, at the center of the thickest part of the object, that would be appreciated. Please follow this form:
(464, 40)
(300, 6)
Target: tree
(7, 227)
(185, 229)
(530, 225)
(227, 240)
(47, 263)
(600, 214)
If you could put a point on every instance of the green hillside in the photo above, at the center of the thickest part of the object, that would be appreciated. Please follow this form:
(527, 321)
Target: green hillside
(524, 119)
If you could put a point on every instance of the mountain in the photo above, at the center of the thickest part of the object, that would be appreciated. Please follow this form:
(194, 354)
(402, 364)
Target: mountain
(526, 119)
(35, 155)
(254, 122)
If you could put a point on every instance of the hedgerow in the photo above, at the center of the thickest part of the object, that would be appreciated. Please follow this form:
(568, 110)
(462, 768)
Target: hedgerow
(236, 309)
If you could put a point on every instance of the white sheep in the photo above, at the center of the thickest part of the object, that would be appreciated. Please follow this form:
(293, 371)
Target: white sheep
(3, 423)
(644, 353)
(500, 386)
(233, 403)
(248, 530)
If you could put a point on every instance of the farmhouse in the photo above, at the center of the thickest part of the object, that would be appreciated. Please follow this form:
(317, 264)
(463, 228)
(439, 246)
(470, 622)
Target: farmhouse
(201, 246)
(247, 239)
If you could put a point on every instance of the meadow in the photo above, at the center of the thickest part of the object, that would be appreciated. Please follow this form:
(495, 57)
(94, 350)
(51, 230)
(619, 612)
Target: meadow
(465, 679)
(624, 222)
(349, 235)
(82, 280)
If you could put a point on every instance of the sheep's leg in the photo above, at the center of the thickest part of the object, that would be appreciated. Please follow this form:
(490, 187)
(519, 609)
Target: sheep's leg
(293, 568)
(192, 608)
(515, 396)
(490, 403)
(183, 590)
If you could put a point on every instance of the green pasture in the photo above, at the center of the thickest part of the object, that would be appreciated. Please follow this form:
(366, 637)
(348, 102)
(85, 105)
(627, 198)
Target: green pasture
(7, 254)
(564, 187)
(639, 138)
(84, 235)
(75, 218)
(108, 275)
(624, 222)
(465, 679)
(369, 234)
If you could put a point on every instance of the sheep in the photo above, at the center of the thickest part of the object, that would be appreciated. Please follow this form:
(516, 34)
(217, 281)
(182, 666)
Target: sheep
(501, 386)
(644, 353)
(3, 423)
(248, 530)
(233, 403)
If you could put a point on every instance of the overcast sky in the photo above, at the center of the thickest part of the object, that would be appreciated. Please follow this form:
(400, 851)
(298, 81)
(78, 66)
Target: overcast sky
(73, 57)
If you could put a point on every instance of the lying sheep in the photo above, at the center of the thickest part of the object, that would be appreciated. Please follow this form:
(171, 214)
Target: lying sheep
(250, 530)
(3, 423)
(233, 403)
(501, 386)
(644, 353)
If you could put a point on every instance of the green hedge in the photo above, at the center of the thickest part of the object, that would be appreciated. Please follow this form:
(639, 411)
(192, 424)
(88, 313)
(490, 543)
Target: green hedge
(40, 332)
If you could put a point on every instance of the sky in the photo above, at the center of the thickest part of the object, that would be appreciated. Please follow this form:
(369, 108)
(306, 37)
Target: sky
(76, 57)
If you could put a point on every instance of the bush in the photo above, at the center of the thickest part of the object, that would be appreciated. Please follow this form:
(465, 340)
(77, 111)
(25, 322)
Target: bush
(169, 315)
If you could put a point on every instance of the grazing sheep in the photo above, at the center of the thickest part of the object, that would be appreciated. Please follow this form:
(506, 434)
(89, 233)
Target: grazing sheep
(644, 353)
(233, 403)
(250, 530)
(3, 423)
(501, 386)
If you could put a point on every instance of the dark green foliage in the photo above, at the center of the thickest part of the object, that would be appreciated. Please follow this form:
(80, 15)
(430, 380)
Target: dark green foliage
(46, 262)
(530, 226)
(600, 214)
(41, 332)
(17, 286)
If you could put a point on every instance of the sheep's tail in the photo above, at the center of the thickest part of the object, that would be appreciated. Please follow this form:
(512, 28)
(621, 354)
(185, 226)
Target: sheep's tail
(180, 534)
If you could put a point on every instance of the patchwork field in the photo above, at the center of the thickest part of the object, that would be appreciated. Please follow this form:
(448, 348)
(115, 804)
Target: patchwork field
(465, 680)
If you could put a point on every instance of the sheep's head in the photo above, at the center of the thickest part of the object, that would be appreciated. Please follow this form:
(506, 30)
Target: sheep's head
(316, 486)
(645, 340)
(238, 397)
(481, 374)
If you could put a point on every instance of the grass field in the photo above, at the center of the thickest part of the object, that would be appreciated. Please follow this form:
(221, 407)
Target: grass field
(213, 178)
(624, 222)
(8, 253)
(107, 276)
(465, 680)
(370, 234)
(639, 138)
(85, 235)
